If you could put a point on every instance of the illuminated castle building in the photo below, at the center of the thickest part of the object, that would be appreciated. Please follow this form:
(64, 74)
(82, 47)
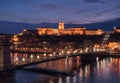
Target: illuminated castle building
(61, 26)
(38, 37)
(71, 31)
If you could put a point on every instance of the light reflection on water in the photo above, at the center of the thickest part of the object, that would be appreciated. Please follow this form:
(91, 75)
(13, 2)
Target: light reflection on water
(103, 71)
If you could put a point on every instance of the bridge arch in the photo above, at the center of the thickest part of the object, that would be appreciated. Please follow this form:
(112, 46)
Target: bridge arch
(87, 46)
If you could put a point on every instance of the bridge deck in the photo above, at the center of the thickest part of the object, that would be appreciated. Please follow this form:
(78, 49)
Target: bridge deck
(86, 56)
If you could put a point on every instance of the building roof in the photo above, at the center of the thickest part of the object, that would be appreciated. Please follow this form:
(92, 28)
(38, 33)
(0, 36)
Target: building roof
(117, 27)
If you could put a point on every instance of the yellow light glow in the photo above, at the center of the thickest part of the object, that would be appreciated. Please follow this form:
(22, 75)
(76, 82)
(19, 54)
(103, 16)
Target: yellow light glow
(38, 57)
(15, 38)
(23, 59)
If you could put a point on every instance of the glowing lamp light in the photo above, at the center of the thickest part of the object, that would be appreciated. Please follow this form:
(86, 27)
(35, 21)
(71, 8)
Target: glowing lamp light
(23, 59)
(15, 38)
(74, 52)
(68, 52)
(114, 27)
(59, 53)
(38, 57)
(62, 52)
(53, 53)
(44, 54)
(81, 51)
(16, 59)
(25, 30)
(31, 56)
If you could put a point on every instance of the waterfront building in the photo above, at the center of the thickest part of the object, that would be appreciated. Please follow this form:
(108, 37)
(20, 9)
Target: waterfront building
(94, 32)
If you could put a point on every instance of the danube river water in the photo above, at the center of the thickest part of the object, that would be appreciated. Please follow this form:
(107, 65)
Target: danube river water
(105, 70)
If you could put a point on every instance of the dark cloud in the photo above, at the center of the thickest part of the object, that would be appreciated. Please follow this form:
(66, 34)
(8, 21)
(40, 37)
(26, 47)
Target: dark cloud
(92, 1)
(98, 14)
(74, 11)
(50, 6)
(117, 5)
(42, 5)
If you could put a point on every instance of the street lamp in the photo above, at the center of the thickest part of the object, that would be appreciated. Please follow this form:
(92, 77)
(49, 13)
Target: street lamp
(31, 56)
(23, 59)
(38, 57)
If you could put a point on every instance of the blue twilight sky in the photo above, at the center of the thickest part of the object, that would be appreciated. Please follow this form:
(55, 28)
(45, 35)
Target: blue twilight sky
(68, 11)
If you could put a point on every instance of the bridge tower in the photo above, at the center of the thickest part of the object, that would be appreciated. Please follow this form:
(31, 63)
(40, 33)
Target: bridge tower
(5, 61)
(88, 46)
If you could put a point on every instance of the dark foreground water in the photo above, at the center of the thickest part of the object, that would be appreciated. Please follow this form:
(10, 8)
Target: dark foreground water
(102, 71)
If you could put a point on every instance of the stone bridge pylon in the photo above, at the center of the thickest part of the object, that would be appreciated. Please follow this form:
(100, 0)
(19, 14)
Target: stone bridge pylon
(5, 61)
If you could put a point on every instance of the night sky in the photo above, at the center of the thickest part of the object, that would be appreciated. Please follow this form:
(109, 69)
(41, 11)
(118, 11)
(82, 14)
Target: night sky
(53, 11)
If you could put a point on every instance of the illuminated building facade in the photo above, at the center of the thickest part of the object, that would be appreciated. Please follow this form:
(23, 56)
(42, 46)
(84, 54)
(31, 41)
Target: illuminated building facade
(69, 31)
(114, 44)
(61, 26)
(94, 32)
(62, 37)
